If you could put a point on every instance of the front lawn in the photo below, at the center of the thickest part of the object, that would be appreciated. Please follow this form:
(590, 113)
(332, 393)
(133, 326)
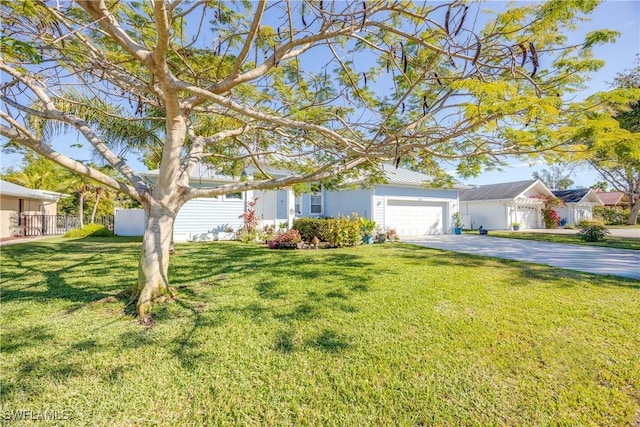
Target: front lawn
(609, 241)
(387, 334)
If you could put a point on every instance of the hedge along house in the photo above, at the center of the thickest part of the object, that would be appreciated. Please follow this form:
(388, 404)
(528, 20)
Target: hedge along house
(577, 204)
(201, 216)
(404, 202)
(23, 210)
(498, 206)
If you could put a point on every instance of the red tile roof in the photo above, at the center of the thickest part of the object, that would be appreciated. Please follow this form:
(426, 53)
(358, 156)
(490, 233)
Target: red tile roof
(612, 198)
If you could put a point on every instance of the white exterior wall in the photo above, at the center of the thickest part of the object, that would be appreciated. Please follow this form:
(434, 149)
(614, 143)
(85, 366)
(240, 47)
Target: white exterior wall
(575, 212)
(129, 222)
(343, 203)
(202, 215)
(489, 215)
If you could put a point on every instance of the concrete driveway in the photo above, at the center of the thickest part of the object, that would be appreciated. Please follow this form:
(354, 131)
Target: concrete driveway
(590, 259)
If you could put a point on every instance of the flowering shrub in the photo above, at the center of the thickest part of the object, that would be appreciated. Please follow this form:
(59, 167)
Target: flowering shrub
(287, 240)
(249, 231)
(551, 218)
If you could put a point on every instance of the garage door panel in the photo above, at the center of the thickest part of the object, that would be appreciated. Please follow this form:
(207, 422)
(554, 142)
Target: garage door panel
(415, 217)
(528, 217)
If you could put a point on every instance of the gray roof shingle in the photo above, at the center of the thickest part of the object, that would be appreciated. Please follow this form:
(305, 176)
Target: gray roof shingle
(505, 190)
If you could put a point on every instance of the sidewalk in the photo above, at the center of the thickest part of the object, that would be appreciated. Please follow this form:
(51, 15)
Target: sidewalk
(589, 259)
(14, 240)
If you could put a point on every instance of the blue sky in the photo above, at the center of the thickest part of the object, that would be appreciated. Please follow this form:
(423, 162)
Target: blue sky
(620, 15)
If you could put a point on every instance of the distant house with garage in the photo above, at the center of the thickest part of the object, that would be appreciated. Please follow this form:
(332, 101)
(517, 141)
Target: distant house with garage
(23, 211)
(498, 206)
(577, 204)
(403, 202)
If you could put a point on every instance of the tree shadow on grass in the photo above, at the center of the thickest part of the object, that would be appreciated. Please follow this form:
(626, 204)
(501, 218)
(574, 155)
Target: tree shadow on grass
(83, 263)
(300, 289)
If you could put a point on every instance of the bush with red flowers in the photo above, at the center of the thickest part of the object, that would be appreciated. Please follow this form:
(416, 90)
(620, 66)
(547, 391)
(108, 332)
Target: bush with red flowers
(287, 240)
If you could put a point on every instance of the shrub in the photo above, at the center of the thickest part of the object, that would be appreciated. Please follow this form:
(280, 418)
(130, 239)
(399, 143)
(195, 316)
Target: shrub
(610, 215)
(312, 227)
(551, 218)
(89, 230)
(344, 231)
(287, 240)
(592, 231)
(338, 232)
(249, 231)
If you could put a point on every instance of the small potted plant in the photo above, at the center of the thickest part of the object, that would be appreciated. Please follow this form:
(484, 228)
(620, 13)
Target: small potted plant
(457, 223)
(515, 226)
(367, 226)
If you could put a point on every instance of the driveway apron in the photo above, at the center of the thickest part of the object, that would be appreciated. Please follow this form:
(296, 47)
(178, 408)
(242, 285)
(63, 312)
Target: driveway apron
(589, 259)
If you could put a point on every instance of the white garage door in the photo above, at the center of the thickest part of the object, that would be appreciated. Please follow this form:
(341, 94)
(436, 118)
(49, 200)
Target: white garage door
(528, 217)
(414, 217)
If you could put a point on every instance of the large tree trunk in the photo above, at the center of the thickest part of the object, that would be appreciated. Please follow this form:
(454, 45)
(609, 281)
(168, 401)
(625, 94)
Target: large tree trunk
(153, 280)
(634, 211)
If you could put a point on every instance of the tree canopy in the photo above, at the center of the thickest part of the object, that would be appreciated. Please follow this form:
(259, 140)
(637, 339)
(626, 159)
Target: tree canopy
(320, 88)
(611, 133)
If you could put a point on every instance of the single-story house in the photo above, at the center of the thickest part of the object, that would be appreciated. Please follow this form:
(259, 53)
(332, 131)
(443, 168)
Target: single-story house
(577, 205)
(17, 201)
(498, 206)
(613, 198)
(402, 203)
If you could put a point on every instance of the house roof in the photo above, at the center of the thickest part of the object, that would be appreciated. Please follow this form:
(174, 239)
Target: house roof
(201, 172)
(501, 191)
(399, 176)
(15, 190)
(579, 195)
(612, 198)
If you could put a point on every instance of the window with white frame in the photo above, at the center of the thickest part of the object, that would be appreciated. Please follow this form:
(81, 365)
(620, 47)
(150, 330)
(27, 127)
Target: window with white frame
(233, 196)
(316, 204)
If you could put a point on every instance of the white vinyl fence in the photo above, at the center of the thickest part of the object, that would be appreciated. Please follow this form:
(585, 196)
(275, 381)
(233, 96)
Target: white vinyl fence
(129, 222)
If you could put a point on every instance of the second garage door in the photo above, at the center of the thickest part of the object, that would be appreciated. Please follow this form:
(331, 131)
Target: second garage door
(414, 217)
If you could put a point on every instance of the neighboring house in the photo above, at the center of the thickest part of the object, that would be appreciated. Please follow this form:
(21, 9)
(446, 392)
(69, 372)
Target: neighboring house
(497, 206)
(577, 204)
(17, 201)
(403, 203)
(613, 198)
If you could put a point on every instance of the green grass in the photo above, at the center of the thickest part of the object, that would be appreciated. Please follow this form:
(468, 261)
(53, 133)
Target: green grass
(609, 241)
(380, 335)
